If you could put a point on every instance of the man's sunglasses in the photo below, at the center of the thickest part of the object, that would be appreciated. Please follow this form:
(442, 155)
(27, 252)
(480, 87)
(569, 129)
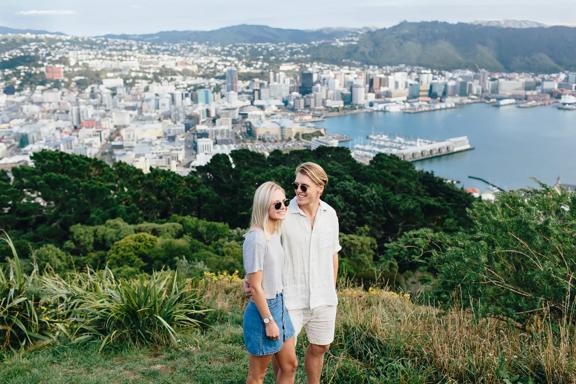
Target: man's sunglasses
(302, 187)
(278, 205)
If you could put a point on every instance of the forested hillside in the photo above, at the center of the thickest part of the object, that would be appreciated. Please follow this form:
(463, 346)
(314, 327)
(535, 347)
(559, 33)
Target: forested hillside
(91, 211)
(450, 46)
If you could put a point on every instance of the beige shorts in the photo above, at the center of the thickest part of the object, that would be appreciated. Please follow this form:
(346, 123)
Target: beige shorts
(319, 323)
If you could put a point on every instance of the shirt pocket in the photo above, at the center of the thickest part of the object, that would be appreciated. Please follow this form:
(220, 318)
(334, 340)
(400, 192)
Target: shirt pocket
(326, 242)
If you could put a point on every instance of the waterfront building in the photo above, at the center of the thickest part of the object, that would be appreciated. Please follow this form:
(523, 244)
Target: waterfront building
(358, 94)
(511, 88)
(438, 89)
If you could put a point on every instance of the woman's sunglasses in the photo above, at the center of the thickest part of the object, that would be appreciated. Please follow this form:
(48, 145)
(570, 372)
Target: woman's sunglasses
(302, 187)
(278, 205)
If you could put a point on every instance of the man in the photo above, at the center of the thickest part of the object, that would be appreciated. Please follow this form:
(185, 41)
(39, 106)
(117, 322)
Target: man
(310, 240)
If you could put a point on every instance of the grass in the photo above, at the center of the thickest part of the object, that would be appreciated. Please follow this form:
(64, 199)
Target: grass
(381, 337)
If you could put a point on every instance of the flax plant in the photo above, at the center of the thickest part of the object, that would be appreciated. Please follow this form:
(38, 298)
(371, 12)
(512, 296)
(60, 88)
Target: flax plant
(140, 311)
(21, 320)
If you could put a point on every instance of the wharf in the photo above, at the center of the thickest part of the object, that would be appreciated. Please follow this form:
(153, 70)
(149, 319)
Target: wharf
(409, 150)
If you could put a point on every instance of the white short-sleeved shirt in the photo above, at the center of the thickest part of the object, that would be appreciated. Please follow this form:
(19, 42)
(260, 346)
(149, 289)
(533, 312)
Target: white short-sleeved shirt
(262, 253)
(308, 273)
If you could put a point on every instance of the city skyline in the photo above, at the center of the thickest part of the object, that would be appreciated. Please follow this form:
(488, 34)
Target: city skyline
(149, 16)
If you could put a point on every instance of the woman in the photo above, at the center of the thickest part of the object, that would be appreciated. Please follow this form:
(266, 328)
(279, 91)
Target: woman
(268, 330)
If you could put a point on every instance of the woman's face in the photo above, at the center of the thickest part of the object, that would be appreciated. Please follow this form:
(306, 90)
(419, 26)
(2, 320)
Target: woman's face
(276, 208)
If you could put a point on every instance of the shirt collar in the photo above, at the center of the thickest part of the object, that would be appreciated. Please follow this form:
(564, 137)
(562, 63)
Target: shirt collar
(294, 208)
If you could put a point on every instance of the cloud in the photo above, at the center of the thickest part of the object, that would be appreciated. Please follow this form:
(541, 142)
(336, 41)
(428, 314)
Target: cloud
(48, 12)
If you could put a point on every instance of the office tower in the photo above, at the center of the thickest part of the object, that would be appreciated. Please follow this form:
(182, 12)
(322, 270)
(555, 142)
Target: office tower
(204, 96)
(358, 94)
(306, 83)
(413, 90)
(231, 80)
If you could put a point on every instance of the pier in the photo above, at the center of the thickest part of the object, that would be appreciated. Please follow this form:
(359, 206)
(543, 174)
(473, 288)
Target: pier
(409, 150)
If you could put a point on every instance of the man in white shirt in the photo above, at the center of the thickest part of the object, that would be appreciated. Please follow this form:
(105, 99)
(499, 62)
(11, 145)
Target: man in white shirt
(310, 238)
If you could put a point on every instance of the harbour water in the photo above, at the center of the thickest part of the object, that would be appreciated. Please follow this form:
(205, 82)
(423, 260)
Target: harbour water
(512, 145)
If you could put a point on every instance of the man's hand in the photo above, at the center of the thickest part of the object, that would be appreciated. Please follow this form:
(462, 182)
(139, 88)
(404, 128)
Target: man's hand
(248, 290)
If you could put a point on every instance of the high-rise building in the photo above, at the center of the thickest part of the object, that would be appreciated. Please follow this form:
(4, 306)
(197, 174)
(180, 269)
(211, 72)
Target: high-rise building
(438, 89)
(413, 90)
(306, 82)
(358, 94)
(231, 80)
(204, 96)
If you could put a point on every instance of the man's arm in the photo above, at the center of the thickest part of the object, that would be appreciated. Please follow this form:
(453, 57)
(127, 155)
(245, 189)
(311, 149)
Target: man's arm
(335, 266)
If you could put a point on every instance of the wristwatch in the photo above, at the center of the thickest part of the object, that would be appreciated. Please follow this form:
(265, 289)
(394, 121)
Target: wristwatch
(268, 319)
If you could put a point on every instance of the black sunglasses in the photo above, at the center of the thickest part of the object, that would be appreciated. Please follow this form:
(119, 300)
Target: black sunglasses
(302, 187)
(278, 205)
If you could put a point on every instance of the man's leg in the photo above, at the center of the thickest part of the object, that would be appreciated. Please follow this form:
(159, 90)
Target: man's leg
(314, 361)
(320, 329)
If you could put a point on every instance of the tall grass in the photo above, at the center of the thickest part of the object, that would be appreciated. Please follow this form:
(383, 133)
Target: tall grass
(381, 330)
(21, 321)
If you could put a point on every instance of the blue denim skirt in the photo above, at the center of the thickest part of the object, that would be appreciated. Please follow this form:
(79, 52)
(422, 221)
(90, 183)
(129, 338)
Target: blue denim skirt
(255, 339)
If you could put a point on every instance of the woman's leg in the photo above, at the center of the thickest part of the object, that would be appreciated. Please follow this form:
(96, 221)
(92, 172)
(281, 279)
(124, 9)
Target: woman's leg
(257, 369)
(287, 362)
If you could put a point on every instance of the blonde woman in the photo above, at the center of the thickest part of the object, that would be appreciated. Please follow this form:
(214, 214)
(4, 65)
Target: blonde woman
(268, 330)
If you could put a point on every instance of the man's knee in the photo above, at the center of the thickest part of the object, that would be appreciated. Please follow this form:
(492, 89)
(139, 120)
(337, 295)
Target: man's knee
(318, 350)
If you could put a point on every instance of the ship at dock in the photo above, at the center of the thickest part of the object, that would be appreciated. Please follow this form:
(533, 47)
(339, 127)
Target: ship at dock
(505, 102)
(567, 103)
(407, 149)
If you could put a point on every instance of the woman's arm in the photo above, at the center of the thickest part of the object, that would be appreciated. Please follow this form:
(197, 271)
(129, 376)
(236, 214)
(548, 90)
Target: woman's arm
(255, 281)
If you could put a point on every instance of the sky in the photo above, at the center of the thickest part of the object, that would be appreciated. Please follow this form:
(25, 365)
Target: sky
(98, 17)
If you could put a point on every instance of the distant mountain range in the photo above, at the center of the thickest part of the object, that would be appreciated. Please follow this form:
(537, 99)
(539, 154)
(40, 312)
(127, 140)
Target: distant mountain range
(451, 46)
(241, 34)
(6, 31)
(510, 23)
(510, 45)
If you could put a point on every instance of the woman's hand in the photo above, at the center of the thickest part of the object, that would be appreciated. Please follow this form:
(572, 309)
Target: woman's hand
(248, 290)
(272, 331)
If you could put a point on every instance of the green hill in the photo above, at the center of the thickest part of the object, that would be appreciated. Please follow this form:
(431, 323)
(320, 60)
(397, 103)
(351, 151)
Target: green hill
(238, 34)
(449, 46)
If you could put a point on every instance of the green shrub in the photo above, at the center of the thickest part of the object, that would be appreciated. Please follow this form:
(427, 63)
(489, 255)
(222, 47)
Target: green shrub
(166, 230)
(132, 254)
(51, 256)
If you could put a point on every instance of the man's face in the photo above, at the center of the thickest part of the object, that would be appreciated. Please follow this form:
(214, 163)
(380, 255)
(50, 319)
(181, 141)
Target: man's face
(306, 191)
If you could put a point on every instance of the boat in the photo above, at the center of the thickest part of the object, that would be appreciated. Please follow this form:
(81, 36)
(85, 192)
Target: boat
(568, 99)
(568, 103)
(505, 102)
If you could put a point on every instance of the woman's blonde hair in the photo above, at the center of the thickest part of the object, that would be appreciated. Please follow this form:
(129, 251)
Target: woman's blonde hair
(261, 205)
(315, 172)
